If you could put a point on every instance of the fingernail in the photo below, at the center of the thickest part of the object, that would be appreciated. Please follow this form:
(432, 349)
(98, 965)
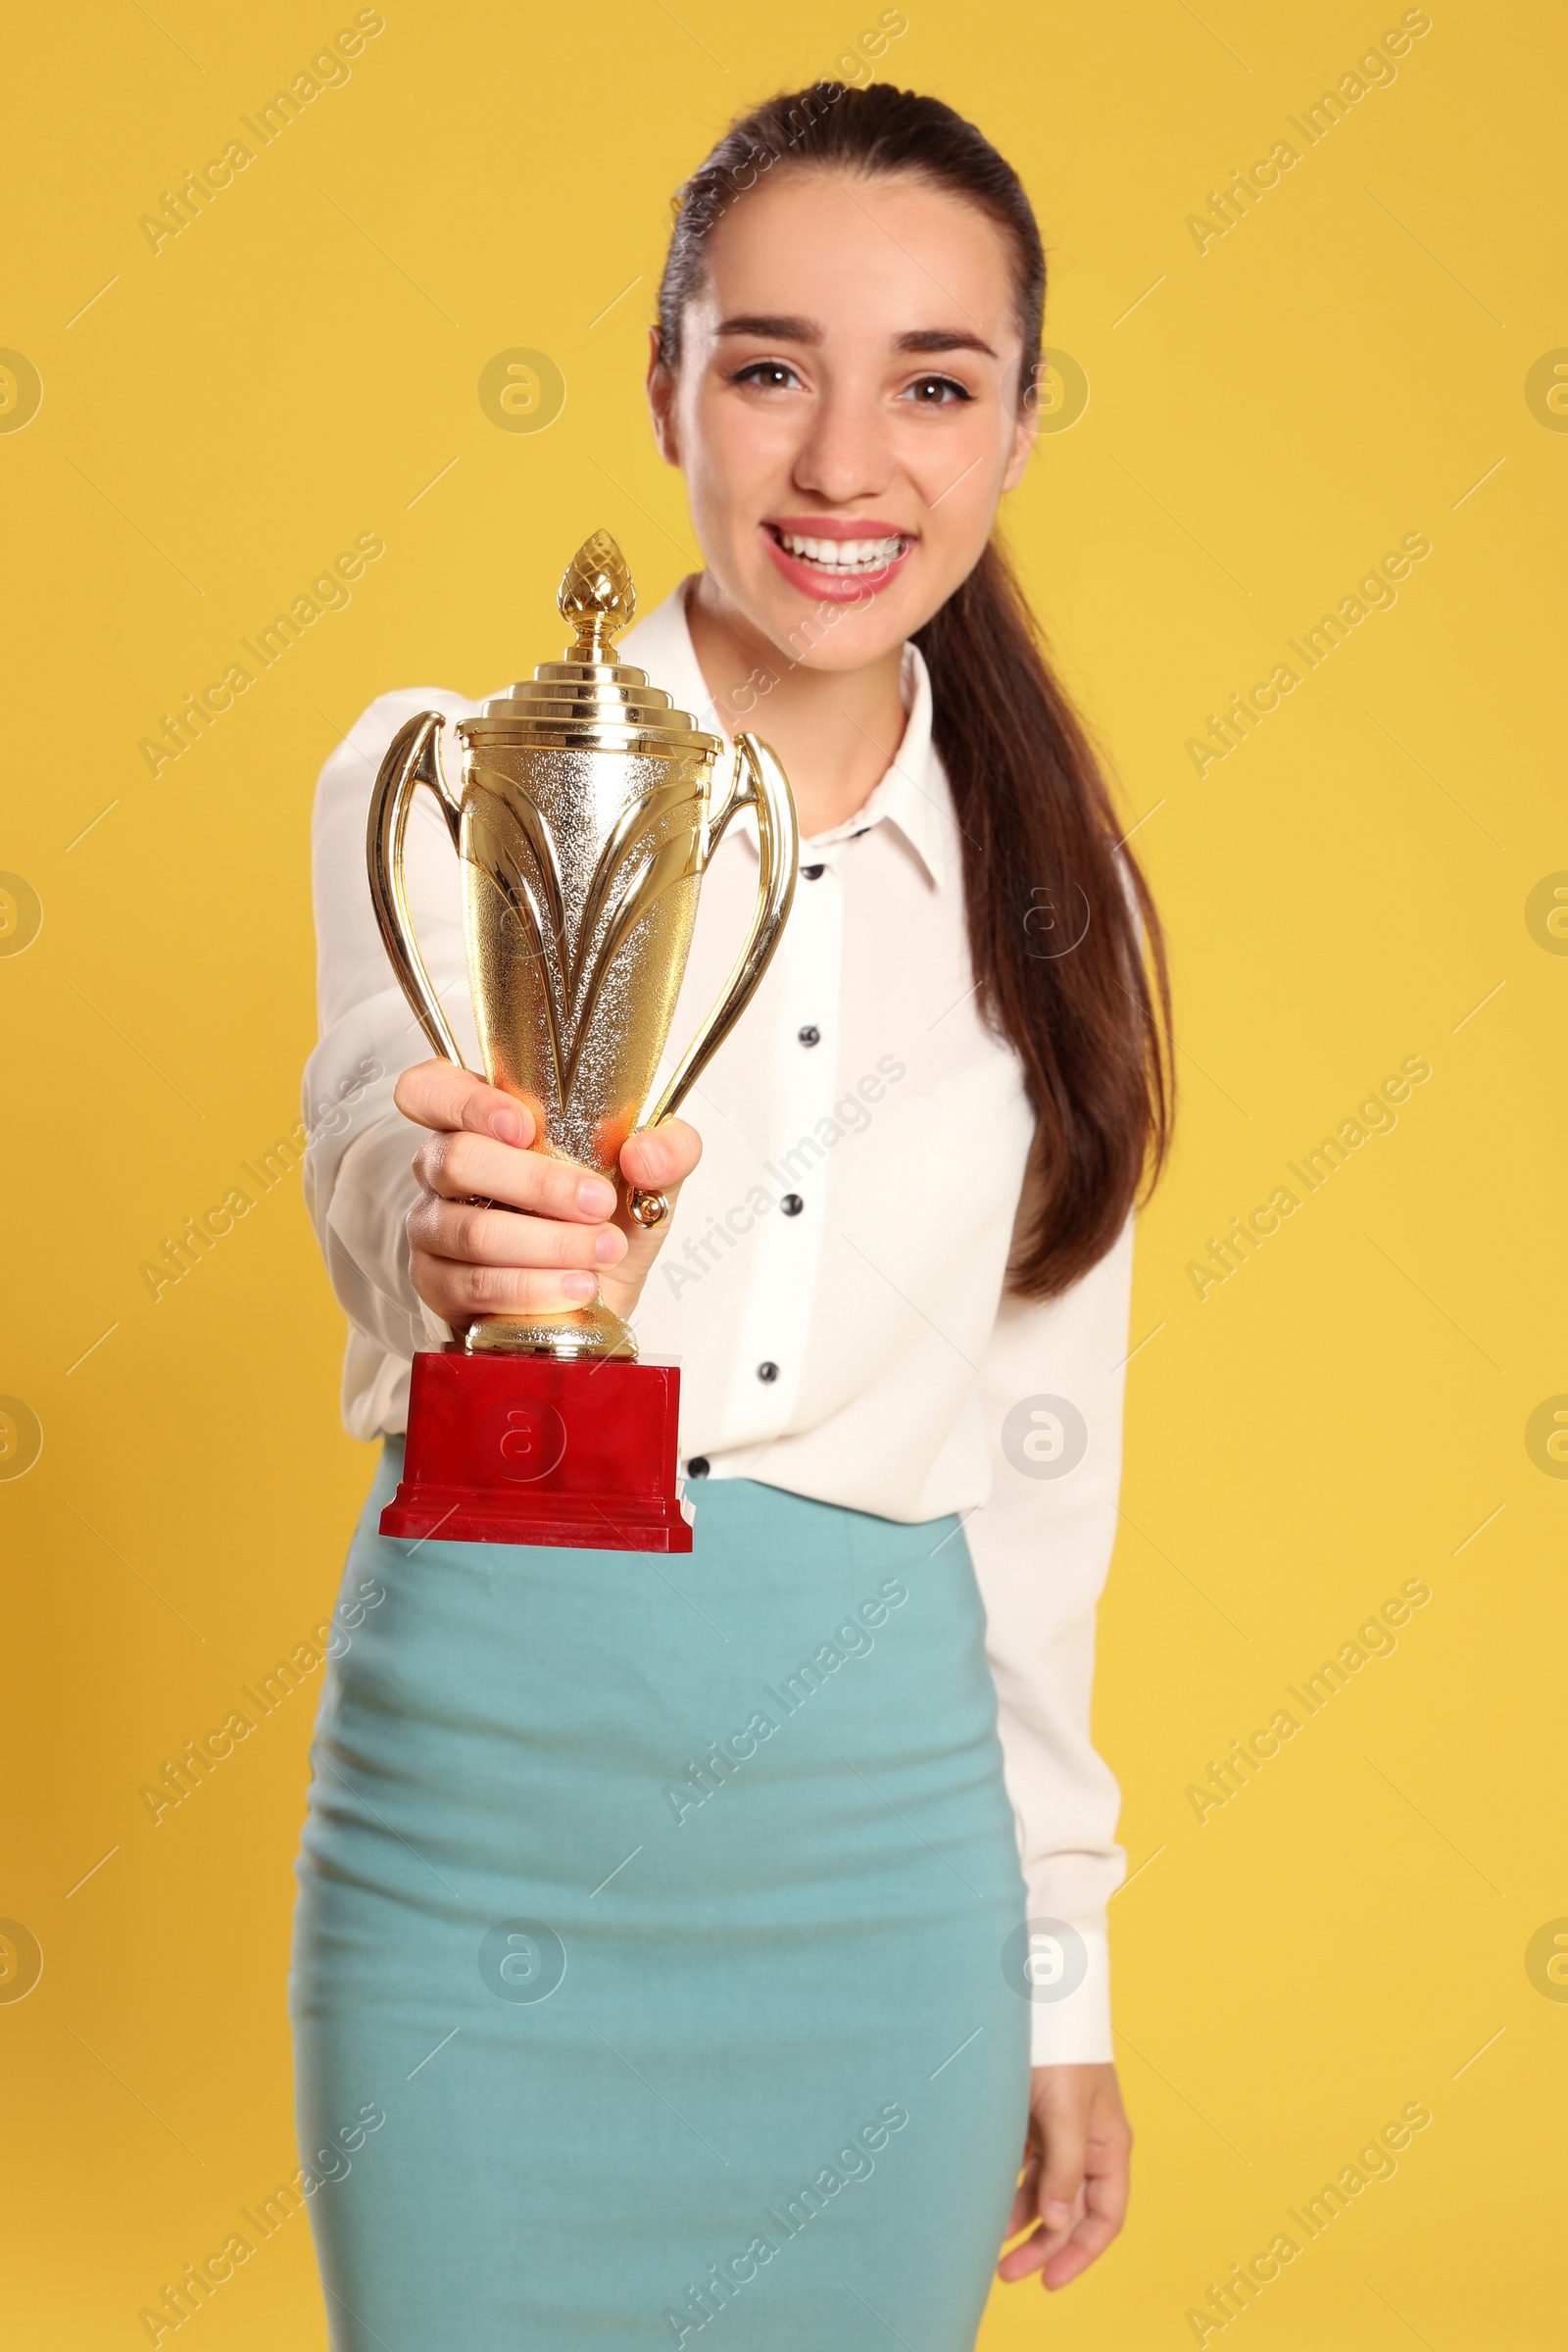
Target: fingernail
(656, 1159)
(1055, 2215)
(595, 1196)
(609, 1247)
(508, 1125)
(579, 1286)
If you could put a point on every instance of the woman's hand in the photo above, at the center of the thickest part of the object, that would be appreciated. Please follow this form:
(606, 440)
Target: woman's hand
(572, 1240)
(1074, 2185)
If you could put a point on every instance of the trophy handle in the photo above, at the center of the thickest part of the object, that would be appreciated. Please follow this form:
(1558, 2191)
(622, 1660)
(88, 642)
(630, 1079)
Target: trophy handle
(757, 781)
(413, 757)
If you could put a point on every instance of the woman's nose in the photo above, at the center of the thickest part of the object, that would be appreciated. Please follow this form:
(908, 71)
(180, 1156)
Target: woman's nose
(845, 454)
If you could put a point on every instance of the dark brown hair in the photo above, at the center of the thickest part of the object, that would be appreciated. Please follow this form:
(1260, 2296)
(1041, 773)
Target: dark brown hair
(1058, 912)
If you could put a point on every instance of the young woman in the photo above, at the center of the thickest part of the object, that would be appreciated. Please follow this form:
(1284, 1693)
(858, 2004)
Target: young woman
(718, 1942)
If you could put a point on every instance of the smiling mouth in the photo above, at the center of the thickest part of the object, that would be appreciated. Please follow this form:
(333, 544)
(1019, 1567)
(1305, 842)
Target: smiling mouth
(845, 559)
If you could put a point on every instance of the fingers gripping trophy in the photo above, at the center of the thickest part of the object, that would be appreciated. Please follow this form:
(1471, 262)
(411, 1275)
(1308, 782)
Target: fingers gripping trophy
(583, 810)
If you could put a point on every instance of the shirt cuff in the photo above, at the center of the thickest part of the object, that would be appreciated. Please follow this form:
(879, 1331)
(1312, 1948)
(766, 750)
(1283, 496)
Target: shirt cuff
(1072, 2028)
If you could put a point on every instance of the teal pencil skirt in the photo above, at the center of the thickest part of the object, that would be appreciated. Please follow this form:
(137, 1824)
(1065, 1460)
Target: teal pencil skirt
(647, 1981)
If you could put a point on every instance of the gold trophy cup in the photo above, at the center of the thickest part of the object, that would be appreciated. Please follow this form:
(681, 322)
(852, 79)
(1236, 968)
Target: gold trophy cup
(583, 809)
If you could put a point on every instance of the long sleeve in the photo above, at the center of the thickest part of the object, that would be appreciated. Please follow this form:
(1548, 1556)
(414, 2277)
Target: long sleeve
(1051, 1382)
(359, 1180)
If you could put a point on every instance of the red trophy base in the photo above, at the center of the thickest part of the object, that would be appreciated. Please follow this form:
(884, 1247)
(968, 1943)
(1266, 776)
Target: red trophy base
(520, 1450)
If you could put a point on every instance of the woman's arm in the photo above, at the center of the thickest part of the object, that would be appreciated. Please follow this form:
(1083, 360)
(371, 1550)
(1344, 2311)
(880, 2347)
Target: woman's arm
(359, 1176)
(1042, 1546)
(1051, 1382)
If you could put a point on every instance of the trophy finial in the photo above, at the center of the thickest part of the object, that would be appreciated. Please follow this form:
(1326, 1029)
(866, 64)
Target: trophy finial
(596, 597)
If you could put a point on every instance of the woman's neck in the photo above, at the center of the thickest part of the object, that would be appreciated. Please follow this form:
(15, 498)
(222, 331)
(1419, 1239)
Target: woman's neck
(836, 732)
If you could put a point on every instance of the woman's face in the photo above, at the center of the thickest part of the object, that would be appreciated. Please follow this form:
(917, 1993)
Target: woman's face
(846, 410)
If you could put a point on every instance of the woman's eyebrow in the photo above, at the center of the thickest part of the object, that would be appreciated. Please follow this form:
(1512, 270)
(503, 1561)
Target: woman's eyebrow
(943, 338)
(771, 328)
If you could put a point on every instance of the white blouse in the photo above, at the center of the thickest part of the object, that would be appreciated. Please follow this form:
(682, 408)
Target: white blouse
(832, 1280)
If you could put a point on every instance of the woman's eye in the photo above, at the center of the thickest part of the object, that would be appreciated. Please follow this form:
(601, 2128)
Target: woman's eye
(771, 374)
(937, 391)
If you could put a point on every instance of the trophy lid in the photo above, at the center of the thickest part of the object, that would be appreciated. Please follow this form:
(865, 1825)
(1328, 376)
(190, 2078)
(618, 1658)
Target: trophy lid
(587, 699)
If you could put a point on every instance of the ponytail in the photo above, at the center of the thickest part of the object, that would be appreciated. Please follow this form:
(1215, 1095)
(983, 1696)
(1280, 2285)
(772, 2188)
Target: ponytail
(1054, 908)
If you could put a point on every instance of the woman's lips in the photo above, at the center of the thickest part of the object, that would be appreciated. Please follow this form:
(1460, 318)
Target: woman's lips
(837, 583)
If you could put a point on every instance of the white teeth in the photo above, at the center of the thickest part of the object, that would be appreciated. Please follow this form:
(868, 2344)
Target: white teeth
(844, 555)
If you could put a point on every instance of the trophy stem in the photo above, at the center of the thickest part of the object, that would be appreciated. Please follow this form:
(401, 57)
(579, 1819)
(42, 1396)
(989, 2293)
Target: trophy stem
(576, 1335)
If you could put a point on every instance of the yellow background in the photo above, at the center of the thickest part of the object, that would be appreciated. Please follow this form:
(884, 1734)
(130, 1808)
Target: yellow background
(1339, 370)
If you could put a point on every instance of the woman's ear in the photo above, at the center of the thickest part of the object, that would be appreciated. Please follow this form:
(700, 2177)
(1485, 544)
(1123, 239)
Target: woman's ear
(661, 399)
(1026, 426)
